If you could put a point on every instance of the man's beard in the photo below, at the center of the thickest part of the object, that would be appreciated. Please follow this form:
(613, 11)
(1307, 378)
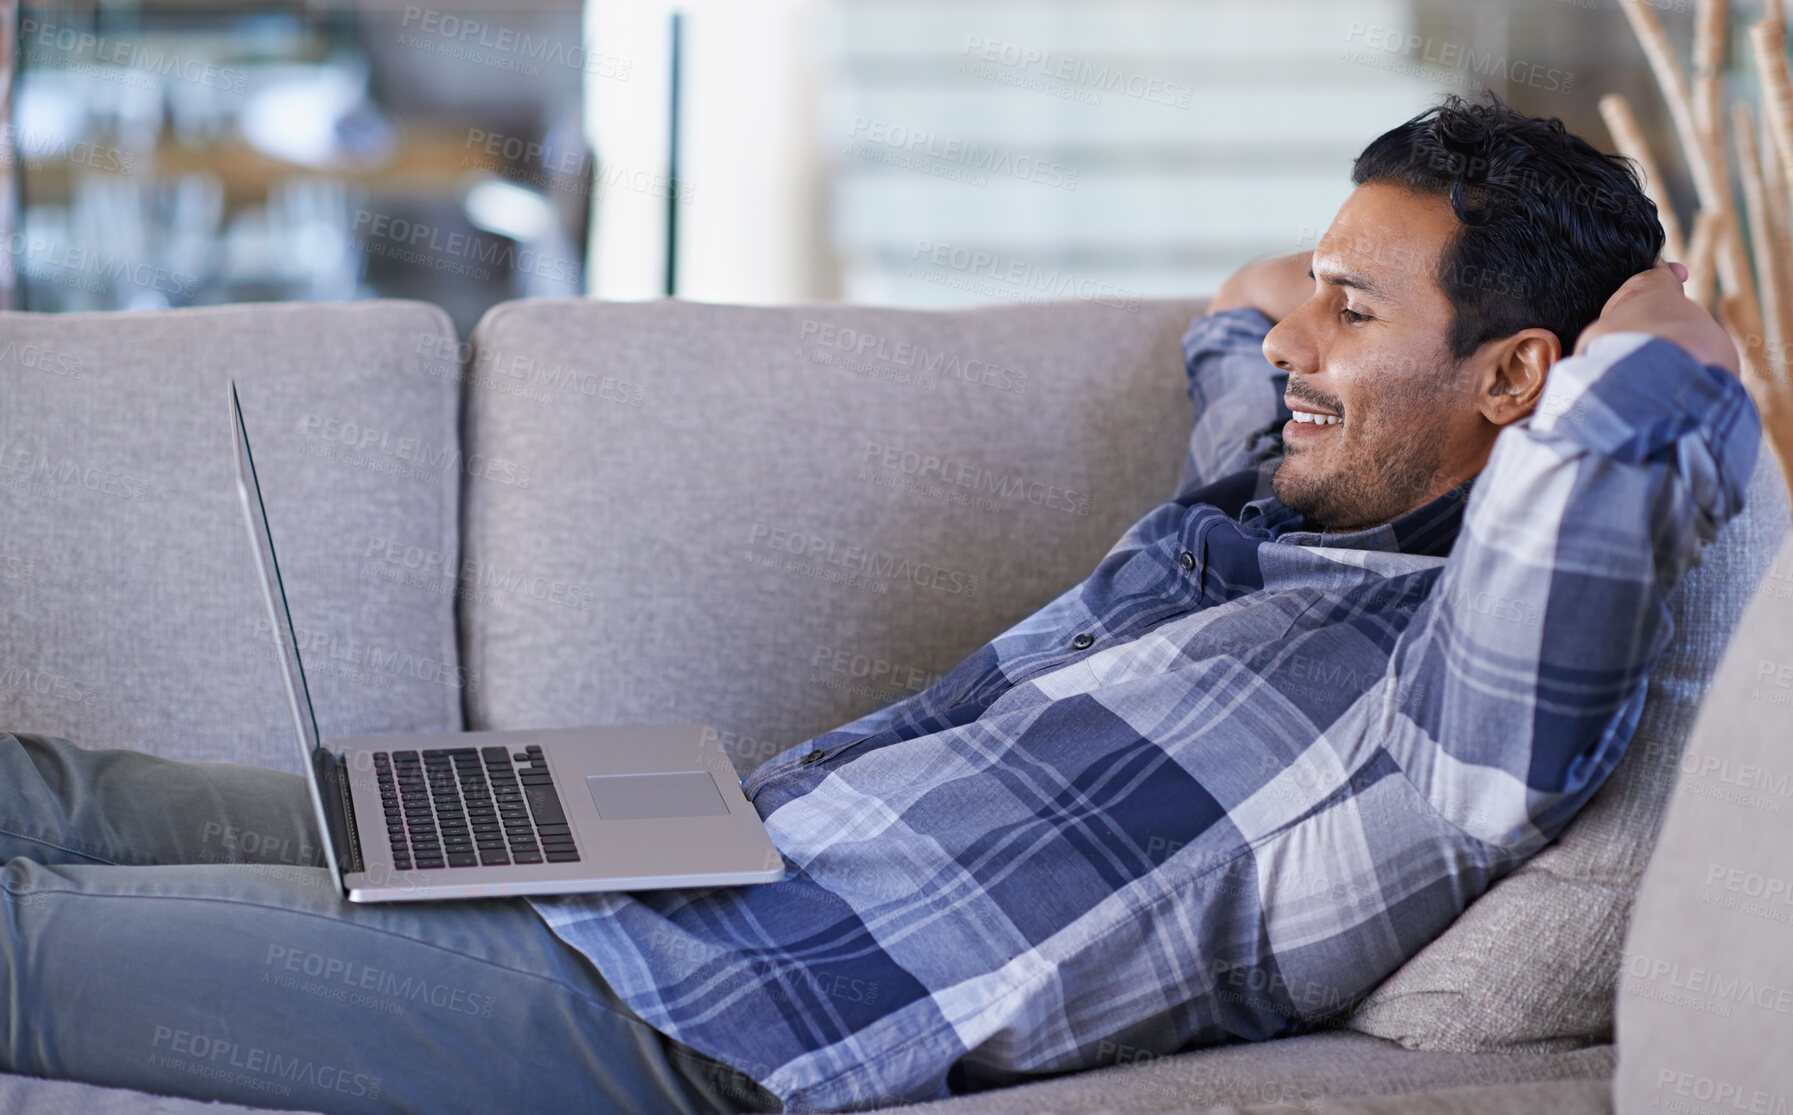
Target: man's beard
(1367, 486)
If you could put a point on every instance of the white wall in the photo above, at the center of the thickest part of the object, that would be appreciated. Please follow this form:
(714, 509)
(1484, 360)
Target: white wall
(748, 226)
(864, 149)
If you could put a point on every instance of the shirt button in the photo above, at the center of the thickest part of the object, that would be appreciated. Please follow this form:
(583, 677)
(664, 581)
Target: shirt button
(1082, 641)
(813, 756)
(1186, 560)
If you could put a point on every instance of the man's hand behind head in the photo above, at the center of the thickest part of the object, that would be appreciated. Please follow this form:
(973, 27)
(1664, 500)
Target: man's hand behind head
(1653, 302)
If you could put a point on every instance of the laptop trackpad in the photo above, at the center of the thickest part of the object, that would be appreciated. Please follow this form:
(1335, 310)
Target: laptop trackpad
(635, 797)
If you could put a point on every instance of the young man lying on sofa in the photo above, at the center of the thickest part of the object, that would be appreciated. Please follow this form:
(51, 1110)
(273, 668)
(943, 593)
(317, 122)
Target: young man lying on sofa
(1384, 643)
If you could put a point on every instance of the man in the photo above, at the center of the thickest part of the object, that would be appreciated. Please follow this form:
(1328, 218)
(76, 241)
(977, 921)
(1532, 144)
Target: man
(1296, 719)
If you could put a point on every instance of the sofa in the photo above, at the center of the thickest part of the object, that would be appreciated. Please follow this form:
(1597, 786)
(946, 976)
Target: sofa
(758, 518)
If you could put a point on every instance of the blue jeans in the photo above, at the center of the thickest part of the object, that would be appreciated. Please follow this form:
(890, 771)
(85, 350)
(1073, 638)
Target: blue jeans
(166, 926)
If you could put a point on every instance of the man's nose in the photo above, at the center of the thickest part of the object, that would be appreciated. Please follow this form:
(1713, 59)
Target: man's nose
(1284, 348)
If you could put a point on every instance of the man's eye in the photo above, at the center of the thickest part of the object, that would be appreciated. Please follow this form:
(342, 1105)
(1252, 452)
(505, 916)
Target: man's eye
(1353, 317)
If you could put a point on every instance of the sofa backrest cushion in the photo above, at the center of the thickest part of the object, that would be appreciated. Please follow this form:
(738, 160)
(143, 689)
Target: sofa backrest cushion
(1706, 987)
(774, 520)
(130, 611)
(1534, 961)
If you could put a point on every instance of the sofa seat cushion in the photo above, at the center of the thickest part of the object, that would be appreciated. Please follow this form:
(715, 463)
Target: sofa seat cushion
(1287, 1073)
(1557, 1097)
(38, 1096)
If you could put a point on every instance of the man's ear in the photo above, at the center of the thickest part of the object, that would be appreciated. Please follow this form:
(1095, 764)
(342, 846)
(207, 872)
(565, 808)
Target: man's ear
(1512, 372)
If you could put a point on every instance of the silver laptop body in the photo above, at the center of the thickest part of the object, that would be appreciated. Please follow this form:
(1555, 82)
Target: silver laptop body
(482, 814)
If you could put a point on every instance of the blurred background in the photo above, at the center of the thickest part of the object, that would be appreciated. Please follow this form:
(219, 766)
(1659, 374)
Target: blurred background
(895, 152)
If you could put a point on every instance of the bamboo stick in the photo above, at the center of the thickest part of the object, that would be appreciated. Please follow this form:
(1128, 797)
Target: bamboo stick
(1675, 91)
(1762, 243)
(1779, 199)
(1731, 314)
(1699, 258)
(1773, 399)
(1774, 176)
(1621, 122)
(1708, 82)
(1702, 160)
(1737, 281)
(1767, 39)
(1780, 235)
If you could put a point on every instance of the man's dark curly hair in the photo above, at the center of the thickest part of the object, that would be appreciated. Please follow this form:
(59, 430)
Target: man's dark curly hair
(1551, 227)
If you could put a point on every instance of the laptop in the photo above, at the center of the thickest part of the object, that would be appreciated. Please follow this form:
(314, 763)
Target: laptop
(485, 814)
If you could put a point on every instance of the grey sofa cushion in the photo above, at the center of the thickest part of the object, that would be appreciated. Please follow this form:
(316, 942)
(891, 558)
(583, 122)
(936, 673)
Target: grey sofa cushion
(130, 614)
(774, 520)
(1307, 1073)
(1535, 960)
(30, 1095)
(1705, 1004)
(1557, 1097)
(1304, 1073)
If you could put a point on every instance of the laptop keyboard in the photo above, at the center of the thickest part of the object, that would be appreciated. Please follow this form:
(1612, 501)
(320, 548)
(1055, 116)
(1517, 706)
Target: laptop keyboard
(471, 807)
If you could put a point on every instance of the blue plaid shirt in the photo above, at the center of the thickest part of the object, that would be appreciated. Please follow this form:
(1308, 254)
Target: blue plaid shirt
(1223, 786)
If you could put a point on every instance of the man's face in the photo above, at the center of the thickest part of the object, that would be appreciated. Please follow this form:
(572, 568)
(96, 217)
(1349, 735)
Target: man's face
(1371, 347)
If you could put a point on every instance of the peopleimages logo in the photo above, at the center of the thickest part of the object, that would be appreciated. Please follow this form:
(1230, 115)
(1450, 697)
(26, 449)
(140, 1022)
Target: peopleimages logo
(1081, 74)
(432, 567)
(965, 153)
(931, 364)
(1728, 1094)
(1705, 981)
(43, 358)
(1016, 274)
(1455, 56)
(322, 650)
(552, 50)
(355, 974)
(131, 56)
(427, 458)
(32, 469)
(65, 261)
(251, 1066)
(44, 147)
(515, 373)
(860, 560)
(18, 679)
(427, 245)
(963, 474)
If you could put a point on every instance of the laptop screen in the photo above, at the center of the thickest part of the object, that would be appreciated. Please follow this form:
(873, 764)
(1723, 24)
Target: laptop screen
(274, 592)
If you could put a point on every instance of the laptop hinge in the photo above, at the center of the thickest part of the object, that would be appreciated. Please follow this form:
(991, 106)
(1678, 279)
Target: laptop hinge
(333, 776)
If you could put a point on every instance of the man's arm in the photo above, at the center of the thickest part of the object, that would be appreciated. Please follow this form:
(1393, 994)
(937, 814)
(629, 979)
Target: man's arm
(1514, 691)
(1273, 286)
(1773, 393)
(1238, 395)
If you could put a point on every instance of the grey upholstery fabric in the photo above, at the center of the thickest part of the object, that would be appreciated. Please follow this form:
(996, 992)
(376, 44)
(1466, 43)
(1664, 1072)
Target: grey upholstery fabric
(29, 1095)
(773, 520)
(1705, 1004)
(1292, 1072)
(1310, 1073)
(1535, 960)
(130, 613)
(1555, 1097)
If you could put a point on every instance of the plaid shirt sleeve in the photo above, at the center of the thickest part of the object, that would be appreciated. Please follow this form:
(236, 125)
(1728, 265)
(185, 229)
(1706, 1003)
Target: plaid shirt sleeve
(1513, 691)
(1238, 397)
